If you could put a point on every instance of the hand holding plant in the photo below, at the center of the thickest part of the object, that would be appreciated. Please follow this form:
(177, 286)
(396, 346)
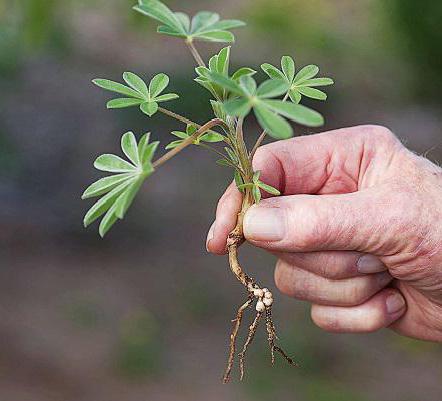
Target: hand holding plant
(274, 102)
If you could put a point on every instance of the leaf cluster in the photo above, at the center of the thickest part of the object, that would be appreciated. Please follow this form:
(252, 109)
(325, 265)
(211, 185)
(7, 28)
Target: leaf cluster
(204, 26)
(137, 92)
(119, 190)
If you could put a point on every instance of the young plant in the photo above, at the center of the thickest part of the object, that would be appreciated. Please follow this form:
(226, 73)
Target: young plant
(275, 102)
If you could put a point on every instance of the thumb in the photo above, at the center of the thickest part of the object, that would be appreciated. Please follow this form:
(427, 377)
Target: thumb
(365, 221)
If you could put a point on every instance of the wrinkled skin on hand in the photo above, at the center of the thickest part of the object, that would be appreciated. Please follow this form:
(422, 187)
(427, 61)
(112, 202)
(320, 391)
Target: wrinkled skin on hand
(357, 230)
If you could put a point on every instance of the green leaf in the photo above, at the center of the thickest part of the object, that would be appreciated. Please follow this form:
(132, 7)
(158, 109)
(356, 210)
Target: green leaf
(113, 164)
(102, 205)
(202, 71)
(223, 61)
(307, 72)
(105, 185)
(108, 220)
(191, 129)
(202, 20)
(149, 108)
(231, 154)
(312, 93)
(166, 30)
(238, 107)
(216, 36)
(147, 156)
(256, 176)
(180, 134)
(166, 97)
(256, 194)
(135, 82)
(228, 24)
(123, 102)
(288, 66)
(185, 21)
(226, 83)
(275, 125)
(295, 96)
(173, 144)
(130, 147)
(125, 200)
(238, 180)
(248, 85)
(116, 87)
(318, 82)
(272, 71)
(142, 145)
(242, 72)
(269, 189)
(218, 109)
(211, 137)
(225, 163)
(272, 88)
(158, 83)
(157, 10)
(296, 112)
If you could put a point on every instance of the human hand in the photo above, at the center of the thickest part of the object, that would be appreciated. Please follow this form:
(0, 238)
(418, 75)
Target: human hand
(357, 230)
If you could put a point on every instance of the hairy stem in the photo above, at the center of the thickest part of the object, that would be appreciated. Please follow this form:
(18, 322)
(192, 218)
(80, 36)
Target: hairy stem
(188, 141)
(178, 117)
(195, 53)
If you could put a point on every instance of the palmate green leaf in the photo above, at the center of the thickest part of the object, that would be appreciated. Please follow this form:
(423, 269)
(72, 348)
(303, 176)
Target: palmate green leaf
(295, 96)
(242, 72)
(211, 137)
(158, 83)
(184, 19)
(256, 176)
(296, 112)
(123, 102)
(116, 87)
(166, 97)
(105, 203)
(129, 147)
(173, 144)
(202, 20)
(125, 200)
(228, 24)
(165, 30)
(288, 67)
(136, 83)
(268, 188)
(317, 82)
(306, 73)
(223, 61)
(272, 71)
(104, 185)
(119, 190)
(113, 164)
(238, 107)
(256, 194)
(248, 85)
(160, 12)
(226, 83)
(312, 93)
(149, 108)
(216, 36)
(238, 180)
(272, 88)
(275, 125)
(180, 134)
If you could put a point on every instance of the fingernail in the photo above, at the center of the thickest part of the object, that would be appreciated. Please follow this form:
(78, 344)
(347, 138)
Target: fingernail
(210, 235)
(395, 303)
(264, 224)
(370, 264)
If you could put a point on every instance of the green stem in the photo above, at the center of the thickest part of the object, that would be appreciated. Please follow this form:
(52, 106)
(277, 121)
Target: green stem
(177, 117)
(195, 53)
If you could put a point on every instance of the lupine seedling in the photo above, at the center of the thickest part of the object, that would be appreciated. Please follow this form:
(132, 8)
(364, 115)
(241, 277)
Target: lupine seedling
(274, 102)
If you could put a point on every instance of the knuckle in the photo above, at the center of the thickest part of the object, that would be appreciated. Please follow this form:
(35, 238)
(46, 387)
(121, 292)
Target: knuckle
(379, 132)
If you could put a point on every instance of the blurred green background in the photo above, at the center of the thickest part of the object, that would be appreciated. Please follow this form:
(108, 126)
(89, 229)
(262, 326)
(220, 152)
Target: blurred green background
(144, 314)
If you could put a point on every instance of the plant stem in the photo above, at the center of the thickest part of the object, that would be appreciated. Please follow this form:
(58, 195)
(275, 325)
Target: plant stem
(177, 117)
(263, 135)
(195, 53)
(188, 141)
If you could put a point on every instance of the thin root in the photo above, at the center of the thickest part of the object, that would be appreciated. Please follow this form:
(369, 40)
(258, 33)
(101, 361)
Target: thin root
(233, 337)
(252, 331)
